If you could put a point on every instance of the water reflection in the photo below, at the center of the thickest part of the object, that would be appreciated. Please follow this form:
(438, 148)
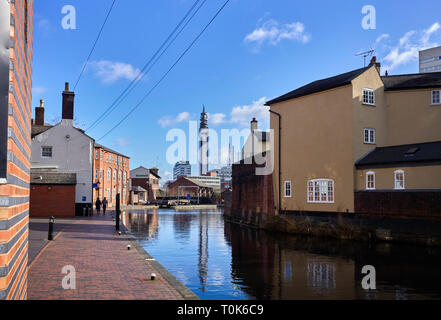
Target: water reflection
(220, 260)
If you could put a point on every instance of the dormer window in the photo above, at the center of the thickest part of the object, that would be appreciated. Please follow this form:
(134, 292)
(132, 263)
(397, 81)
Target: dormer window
(369, 97)
(436, 97)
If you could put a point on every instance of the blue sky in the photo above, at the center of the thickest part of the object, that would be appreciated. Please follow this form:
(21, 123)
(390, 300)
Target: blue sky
(255, 50)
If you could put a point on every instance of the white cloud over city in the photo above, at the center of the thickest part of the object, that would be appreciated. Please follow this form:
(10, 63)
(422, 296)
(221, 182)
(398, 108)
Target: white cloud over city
(112, 71)
(273, 32)
(169, 121)
(407, 48)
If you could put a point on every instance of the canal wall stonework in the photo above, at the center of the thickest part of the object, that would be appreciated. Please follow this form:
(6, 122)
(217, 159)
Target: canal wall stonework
(417, 204)
(358, 227)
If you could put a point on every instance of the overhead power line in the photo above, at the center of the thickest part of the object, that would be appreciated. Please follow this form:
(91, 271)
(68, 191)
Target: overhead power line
(149, 65)
(94, 44)
(168, 71)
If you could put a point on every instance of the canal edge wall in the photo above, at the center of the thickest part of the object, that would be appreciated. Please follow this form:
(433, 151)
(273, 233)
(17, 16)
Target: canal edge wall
(185, 292)
(343, 226)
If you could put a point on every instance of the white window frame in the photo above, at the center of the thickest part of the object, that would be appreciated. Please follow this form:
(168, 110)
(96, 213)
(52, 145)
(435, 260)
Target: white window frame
(369, 131)
(370, 174)
(109, 174)
(45, 156)
(285, 189)
(433, 96)
(368, 92)
(403, 187)
(318, 186)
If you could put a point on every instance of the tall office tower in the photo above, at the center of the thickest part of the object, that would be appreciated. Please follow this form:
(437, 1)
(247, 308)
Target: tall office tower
(181, 169)
(430, 60)
(203, 143)
(15, 140)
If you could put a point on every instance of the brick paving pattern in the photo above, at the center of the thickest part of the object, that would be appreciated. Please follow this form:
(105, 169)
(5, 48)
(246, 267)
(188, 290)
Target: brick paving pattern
(105, 269)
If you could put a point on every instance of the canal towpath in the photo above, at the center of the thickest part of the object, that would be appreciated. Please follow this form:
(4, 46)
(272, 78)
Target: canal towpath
(104, 267)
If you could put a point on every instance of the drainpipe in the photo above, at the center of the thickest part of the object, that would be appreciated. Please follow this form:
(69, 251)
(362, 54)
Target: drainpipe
(280, 160)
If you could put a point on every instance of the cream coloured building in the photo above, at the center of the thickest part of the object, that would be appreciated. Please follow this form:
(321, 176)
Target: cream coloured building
(331, 126)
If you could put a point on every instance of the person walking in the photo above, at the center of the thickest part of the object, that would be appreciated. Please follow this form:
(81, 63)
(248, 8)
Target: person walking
(98, 206)
(104, 203)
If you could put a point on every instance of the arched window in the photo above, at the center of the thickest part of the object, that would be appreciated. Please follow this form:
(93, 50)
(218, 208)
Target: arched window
(109, 174)
(114, 175)
(125, 177)
(320, 191)
(119, 176)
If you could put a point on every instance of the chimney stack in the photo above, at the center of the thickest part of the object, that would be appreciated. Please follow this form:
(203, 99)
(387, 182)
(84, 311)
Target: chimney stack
(68, 103)
(254, 125)
(375, 63)
(39, 114)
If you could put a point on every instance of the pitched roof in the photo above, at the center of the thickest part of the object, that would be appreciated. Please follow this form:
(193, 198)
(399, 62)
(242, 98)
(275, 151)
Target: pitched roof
(36, 130)
(412, 81)
(138, 189)
(409, 153)
(53, 178)
(97, 145)
(198, 183)
(320, 85)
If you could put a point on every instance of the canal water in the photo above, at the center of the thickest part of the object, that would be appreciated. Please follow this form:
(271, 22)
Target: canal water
(220, 260)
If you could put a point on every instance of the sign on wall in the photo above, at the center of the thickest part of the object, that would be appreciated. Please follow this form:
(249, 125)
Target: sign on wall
(5, 17)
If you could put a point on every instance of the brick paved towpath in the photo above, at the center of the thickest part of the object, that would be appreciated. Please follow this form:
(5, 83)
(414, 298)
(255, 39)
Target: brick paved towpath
(105, 269)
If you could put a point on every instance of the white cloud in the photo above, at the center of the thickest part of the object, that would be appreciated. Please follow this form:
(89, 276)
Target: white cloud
(169, 121)
(38, 90)
(217, 118)
(382, 37)
(122, 142)
(242, 115)
(112, 71)
(273, 32)
(408, 47)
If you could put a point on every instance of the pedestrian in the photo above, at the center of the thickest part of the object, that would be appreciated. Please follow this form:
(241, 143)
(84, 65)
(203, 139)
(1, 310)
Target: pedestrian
(104, 203)
(98, 206)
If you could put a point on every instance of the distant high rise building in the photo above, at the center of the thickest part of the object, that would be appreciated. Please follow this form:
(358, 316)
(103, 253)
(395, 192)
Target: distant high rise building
(203, 143)
(181, 169)
(430, 60)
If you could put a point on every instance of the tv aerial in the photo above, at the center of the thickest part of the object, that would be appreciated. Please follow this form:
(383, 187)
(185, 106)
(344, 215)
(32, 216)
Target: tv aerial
(365, 54)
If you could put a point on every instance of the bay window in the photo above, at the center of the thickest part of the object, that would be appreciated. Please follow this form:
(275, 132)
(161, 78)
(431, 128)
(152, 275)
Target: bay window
(320, 191)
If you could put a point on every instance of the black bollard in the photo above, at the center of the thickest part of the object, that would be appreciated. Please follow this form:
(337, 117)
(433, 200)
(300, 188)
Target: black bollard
(118, 211)
(50, 235)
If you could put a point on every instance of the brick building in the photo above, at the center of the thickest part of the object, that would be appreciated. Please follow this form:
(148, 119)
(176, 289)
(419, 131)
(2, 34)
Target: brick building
(15, 126)
(53, 194)
(184, 186)
(111, 174)
(148, 179)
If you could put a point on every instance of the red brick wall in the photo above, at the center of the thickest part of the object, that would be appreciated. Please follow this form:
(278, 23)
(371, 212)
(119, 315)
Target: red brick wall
(52, 200)
(104, 161)
(253, 195)
(182, 182)
(14, 190)
(416, 204)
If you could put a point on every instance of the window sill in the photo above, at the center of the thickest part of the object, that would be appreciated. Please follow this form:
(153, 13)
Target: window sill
(370, 143)
(3, 181)
(368, 104)
(321, 202)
